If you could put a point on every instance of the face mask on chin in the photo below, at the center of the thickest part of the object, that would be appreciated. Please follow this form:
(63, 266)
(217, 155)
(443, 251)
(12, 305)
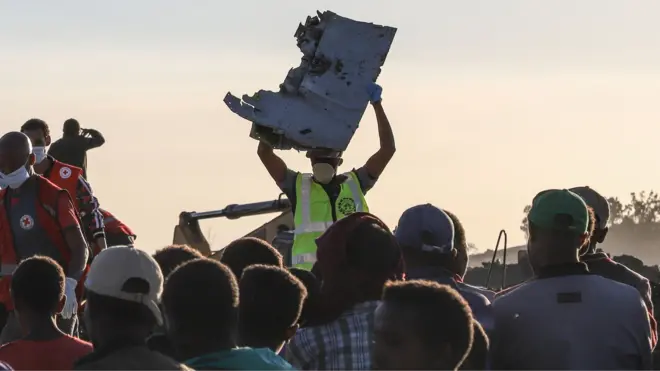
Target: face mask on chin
(323, 172)
(15, 179)
(39, 154)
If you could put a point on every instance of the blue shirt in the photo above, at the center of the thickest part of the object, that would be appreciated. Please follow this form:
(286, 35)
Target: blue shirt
(240, 359)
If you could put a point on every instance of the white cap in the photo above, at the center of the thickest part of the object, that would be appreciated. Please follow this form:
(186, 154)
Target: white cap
(114, 266)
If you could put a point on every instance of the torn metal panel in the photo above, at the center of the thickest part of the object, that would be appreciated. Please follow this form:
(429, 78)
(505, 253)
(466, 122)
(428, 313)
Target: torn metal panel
(320, 103)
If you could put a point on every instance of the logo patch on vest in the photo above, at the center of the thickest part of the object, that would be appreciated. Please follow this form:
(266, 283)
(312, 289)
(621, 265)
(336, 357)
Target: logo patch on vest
(346, 206)
(65, 173)
(27, 222)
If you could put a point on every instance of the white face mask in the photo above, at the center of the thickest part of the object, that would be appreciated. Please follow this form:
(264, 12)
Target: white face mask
(323, 173)
(39, 154)
(15, 179)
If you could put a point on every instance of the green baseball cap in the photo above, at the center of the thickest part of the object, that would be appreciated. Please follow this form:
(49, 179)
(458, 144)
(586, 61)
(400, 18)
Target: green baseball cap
(559, 209)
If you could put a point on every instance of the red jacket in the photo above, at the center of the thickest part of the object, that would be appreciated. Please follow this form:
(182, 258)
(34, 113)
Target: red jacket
(48, 196)
(66, 177)
(114, 225)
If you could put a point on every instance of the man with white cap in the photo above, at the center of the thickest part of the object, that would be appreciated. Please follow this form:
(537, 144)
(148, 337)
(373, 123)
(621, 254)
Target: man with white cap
(124, 286)
(426, 236)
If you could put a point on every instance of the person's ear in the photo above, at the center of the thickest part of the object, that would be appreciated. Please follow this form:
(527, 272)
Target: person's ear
(341, 161)
(32, 159)
(47, 140)
(291, 332)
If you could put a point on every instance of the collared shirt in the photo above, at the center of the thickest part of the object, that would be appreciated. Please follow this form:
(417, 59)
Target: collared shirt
(344, 344)
(88, 206)
(567, 318)
(478, 302)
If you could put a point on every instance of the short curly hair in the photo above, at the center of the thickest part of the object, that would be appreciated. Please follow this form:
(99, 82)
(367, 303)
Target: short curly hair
(170, 257)
(36, 124)
(429, 299)
(248, 251)
(38, 283)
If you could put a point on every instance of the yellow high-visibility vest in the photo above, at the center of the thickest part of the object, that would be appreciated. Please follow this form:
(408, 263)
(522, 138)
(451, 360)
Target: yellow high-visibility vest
(313, 214)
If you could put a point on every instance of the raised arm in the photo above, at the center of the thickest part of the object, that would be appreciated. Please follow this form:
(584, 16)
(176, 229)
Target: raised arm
(273, 163)
(379, 160)
(95, 139)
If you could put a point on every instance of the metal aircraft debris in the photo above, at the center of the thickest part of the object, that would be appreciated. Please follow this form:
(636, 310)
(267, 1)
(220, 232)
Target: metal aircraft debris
(321, 102)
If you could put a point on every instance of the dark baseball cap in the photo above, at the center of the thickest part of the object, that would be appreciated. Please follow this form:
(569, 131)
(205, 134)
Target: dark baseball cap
(427, 228)
(597, 202)
(549, 206)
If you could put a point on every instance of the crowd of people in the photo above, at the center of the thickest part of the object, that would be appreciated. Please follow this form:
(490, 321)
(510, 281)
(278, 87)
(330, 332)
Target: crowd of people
(360, 296)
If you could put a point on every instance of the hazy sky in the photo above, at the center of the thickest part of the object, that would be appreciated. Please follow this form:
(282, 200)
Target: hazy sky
(490, 101)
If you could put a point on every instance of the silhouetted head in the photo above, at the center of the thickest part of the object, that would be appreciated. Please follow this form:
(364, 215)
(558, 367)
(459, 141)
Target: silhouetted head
(37, 290)
(271, 301)
(310, 310)
(200, 302)
(248, 251)
(16, 159)
(356, 256)
(426, 236)
(601, 209)
(123, 289)
(172, 256)
(421, 325)
(324, 164)
(71, 128)
(558, 224)
(39, 133)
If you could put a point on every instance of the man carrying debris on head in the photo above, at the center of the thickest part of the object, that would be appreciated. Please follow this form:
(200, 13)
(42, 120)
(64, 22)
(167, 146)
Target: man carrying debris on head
(322, 197)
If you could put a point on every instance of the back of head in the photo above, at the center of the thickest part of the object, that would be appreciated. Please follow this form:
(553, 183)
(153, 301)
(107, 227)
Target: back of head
(200, 301)
(248, 251)
(310, 309)
(597, 202)
(426, 236)
(35, 124)
(271, 302)
(439, 316)
(172, 256)
(71, 128)
(356, 256)
(37, 286)
(558, 226)
(123, 291)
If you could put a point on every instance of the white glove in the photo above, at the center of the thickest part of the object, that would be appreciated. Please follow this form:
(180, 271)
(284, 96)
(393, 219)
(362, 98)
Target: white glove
(70, 303)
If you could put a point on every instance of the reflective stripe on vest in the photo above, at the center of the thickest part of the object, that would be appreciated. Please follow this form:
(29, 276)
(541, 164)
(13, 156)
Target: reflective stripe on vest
(307, 226)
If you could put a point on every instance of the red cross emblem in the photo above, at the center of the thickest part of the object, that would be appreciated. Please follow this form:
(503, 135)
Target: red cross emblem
(27, 222)
(65, 172)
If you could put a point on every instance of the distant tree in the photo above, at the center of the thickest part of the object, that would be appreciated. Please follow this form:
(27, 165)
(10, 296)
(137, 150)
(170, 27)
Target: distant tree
(523, 224)
(471, 248)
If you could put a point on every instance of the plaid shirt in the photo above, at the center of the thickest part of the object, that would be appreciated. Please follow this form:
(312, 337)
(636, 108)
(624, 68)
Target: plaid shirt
(344, 344)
